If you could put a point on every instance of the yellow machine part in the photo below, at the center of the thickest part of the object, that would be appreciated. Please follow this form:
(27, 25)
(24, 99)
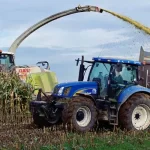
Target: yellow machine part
(44, 80)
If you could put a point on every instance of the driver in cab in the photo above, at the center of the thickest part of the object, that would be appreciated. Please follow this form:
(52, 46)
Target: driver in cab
(118, 78)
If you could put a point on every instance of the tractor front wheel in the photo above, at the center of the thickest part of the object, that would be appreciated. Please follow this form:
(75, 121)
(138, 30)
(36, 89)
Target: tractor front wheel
(39, 121)
(134, 114)
(80, 114)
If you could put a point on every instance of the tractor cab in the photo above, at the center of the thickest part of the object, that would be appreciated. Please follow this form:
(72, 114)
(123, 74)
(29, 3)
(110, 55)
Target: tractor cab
(112, 75)
(6, 60)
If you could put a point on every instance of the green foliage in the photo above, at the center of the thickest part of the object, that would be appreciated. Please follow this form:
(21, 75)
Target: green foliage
(13, 91)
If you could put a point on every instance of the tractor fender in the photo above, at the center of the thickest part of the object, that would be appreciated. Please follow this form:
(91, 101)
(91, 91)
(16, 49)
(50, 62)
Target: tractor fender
(124, 95)
(88, 96)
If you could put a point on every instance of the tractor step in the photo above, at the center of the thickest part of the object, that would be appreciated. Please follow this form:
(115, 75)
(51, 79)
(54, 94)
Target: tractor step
(113, 113)
(100, 100)
(103, 100)
(113, 107)
(113, 122)
(113, 116)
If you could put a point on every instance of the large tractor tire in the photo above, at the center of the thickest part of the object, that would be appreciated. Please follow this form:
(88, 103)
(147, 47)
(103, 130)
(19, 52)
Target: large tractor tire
(79, 114)
(134, 114)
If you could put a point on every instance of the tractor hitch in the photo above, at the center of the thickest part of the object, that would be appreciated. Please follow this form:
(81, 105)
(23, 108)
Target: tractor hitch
(45, 97)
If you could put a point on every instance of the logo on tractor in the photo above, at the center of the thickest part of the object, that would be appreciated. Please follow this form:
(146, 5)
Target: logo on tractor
(94, 91)
(90, 91)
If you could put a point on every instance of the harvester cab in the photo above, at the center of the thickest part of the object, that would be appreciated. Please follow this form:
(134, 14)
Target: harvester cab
(112, 93)
(6, 61)
(39, 75)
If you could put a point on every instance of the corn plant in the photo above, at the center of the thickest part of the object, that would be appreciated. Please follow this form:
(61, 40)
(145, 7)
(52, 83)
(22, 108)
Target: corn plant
(14, 94)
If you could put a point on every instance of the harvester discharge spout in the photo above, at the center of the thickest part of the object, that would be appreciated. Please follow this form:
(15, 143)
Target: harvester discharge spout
(45, 21)
(42, 76)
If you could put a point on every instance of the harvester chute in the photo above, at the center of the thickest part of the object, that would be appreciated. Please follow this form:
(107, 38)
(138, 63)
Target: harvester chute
(45, 21)
(39, 78)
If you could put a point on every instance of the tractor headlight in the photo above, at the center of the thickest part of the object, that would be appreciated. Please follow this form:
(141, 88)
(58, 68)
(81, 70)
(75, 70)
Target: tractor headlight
(60, 91)
(66, 91)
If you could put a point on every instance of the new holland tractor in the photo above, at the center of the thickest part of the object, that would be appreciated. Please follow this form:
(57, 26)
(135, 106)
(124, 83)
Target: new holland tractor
(112, 93)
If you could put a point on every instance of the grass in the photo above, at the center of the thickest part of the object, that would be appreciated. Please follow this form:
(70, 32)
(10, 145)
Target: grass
(19, 133)
(29, 137)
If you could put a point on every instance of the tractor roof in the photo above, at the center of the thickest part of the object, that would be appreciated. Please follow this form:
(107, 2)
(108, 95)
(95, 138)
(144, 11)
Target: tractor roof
(116, 60)
(8, 53)
(4, 52)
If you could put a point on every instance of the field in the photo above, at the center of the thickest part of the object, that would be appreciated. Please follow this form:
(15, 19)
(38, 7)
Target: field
(18, 132)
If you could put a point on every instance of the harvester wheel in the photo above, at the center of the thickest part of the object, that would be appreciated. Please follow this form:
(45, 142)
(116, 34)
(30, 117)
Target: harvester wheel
(79, 114)
(134, 114)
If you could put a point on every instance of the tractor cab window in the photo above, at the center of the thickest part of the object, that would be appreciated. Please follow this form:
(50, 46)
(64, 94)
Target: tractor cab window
(123, 73)
(129, 73)
(121, 76)
(6, 61)
(100, 71)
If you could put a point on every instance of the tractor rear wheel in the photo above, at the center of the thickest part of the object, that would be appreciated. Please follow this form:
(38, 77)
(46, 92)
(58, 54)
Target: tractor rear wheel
(79, 114)
(134, 114)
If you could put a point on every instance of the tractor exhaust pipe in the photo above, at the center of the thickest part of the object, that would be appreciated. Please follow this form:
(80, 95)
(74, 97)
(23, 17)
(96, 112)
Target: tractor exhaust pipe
(81, 70)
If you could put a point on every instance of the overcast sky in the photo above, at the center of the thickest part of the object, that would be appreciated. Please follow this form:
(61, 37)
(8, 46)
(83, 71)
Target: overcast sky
(62, 41)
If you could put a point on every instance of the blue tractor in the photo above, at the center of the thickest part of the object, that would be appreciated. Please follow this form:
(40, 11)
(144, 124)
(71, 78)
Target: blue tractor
(112, 93)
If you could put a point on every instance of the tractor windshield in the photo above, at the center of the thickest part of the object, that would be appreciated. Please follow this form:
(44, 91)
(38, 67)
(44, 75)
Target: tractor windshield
(6, 61)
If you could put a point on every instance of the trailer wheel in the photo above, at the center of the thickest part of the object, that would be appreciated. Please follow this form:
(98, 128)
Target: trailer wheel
(80, 114)
(134, 114)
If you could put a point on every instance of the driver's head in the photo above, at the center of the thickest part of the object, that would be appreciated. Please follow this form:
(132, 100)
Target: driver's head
(118, 67)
